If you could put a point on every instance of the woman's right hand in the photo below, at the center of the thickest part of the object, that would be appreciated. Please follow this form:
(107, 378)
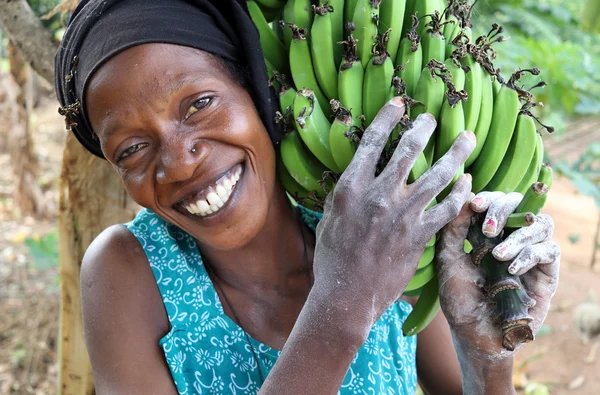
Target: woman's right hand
(374, 229)
(369, 241)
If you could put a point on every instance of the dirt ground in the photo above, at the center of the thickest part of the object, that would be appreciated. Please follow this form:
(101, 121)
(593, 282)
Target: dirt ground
(29, 291)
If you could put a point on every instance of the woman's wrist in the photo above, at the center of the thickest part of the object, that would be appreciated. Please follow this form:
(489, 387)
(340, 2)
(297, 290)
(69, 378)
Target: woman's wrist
(349, 317)
(484, 374)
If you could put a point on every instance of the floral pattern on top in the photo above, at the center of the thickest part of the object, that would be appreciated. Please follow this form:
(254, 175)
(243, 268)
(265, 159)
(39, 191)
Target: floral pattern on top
(207, 352)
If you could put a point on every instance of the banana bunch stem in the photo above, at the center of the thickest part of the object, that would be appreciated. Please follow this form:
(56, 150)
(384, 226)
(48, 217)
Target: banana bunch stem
(512, 302)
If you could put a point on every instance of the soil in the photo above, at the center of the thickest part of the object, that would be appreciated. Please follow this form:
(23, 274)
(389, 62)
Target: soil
(29, 292)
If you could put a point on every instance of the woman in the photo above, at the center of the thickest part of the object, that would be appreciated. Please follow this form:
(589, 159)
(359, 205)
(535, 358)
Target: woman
(219, 281)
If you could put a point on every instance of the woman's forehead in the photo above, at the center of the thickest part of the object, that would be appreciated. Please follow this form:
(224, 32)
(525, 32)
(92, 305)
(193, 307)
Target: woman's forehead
(155, 68)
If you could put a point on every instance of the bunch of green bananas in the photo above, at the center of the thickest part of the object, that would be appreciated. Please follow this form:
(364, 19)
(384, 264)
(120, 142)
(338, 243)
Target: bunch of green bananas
(337, 62)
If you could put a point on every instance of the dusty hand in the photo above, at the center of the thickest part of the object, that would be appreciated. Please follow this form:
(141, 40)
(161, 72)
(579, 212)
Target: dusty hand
(374, 229)
(530, 254)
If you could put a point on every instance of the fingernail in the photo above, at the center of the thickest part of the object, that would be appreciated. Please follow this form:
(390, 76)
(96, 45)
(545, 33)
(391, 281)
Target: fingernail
(430, 116)
(512, 269)
(398, 101)
(490, 227)
(469, 177)
(470, 135)
(478, 201)
(500, 252)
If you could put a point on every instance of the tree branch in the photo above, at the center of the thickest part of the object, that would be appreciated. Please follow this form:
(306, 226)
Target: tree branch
(26, 31)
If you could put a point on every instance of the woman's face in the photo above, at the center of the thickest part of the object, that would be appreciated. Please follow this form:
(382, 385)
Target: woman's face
(187, 141)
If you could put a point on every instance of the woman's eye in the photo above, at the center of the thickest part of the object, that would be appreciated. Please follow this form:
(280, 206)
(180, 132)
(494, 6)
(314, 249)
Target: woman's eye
(131, 150)
(197, 106)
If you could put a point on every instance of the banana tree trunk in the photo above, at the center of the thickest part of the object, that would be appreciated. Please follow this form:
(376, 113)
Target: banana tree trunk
(92, 198)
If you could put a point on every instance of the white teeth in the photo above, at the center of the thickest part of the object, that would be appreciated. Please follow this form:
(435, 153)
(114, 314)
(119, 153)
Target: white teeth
(203, 206)
(222, 192)
(213, 198)
(194, 208)
(218, 196)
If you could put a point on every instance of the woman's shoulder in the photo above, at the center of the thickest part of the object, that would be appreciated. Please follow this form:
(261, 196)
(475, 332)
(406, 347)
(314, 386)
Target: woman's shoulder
(115, 273)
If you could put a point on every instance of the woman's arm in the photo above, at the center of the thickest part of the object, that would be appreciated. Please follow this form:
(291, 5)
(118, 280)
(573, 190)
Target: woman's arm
(123, 317)
(437, 362)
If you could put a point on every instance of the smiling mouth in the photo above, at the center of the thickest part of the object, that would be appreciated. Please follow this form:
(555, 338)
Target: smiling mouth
(212, 198)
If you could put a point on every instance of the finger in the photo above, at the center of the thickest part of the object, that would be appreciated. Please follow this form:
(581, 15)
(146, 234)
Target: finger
(411, 144)
(498, 213)
(453, 235)
(375, 138)
(537, 254)
(440, 175)
(446, 211)
(541, 230)
(481, 202)
(541, 285)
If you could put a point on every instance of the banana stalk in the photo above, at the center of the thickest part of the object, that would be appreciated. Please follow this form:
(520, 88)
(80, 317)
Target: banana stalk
(298, 13)
(512, 301)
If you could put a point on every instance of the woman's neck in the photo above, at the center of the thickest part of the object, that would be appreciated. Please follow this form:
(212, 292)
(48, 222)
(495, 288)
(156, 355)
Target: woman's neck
(274, 259)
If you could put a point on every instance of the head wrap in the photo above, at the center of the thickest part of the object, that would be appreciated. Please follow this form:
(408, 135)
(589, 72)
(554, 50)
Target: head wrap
(100, 29)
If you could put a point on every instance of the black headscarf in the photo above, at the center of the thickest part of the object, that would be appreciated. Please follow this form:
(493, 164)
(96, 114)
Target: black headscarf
(100, 29)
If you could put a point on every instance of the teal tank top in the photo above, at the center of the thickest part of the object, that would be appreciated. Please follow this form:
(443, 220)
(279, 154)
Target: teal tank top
(207, 352)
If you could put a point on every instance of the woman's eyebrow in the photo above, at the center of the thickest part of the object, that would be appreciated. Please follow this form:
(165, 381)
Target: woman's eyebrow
(185, 80)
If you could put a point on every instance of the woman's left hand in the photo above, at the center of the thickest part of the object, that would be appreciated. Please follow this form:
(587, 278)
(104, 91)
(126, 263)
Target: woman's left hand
(529, 252)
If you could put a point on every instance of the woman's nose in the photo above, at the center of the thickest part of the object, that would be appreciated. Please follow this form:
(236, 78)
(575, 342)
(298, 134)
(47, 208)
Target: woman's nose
(179, 160)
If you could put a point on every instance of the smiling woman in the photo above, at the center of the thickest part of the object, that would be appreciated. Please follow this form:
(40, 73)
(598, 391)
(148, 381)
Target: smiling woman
(220, 284)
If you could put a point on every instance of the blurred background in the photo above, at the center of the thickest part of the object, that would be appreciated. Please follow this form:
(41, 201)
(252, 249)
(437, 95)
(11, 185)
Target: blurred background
(560, 37)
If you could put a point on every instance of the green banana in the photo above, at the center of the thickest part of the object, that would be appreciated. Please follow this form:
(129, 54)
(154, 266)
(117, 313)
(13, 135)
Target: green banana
(452, 117)
(421, 277)
(272, 4)
(410, 60)
(433, 42)
(520, 220)
(497, 85)
(409, 11)
(337, 27)
(485, 116)
(350, 86)
(322, 52)
(426, 7)
(291, 186)
(418, 169)
(451, 125)
(458, 74)
(428, 96)
(504, 120)
(313, 127)
(342, 147)
(474, 88)
(273, 49)
(452, 32)
(301, 66)
(390, 13)
(425, 310)
(299, 164)
(546, 175)
(517, 158)
(534, 199)
(366, 13)
(533, 170)
(349, 7)
(427, 257)
(299, 13)
(377, 86)
(286, 98)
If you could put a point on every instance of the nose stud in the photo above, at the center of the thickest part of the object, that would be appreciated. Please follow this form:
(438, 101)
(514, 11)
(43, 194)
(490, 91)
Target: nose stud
(193, 150)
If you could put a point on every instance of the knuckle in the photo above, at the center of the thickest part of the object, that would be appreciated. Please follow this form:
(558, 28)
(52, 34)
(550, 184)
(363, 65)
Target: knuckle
(410, 145)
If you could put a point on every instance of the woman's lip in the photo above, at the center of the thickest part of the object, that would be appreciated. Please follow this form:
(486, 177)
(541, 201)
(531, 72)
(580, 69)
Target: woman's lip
(193, 196)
